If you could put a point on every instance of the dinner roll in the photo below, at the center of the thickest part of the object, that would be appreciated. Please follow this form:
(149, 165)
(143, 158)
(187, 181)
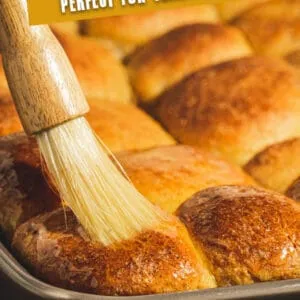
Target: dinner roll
(100, 74)
(56, 249)
(294, 190)
(24, 193)
(231, 9)
(277, 166)
(167, 176)
(126, 127)
(273, 28)
(236, 108)
(129, 31)
(167, 59)
(247, 234)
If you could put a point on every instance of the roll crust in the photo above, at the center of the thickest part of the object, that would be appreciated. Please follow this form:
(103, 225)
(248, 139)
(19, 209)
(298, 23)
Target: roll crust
(167, 59)
(273, 28)
(100, 74)
(236, 108)
(247, 234)
(24, 191)
(129, 31)
(125, 127)
(167, 176)
(277, 166)
(155, 261)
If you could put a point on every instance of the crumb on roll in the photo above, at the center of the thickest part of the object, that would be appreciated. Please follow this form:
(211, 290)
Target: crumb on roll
(169, 58)
(167, 176)
(277, 166)
(236, 108)
(247, 234)
(272, 28)
(125, 33)
(56, 249)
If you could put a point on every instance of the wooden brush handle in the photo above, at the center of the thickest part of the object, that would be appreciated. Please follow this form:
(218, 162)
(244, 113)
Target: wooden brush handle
(42, 81)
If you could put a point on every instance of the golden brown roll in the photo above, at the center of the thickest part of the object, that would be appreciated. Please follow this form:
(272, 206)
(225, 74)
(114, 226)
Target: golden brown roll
(129, 31)
(126, 127)
(100, 74)
(56, 249)
(236, 108)
(167, 59)
(294, 58)
(294, 190)
(24, 193)
(273, 28)
(277, 166)
(247, 234)
(121, 126)
(231, 9)
(167, 176)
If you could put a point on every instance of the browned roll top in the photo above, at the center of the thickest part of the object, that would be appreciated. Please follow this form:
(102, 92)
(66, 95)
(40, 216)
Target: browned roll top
(236, 108)
(247, 234)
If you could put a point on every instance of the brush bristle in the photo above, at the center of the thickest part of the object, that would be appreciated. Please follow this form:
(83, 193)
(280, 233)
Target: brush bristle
(106, 204)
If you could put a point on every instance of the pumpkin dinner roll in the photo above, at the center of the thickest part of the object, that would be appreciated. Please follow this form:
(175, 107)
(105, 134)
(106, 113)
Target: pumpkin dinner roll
(24, 192)
(100, 74)
(294, 190)
(236, 108)
(167, 176)
(232, 8)
(56, 249)
(273, 28)
(125, 33)
(126, 127)
(167, 59)
(277, 166)
(247, 234)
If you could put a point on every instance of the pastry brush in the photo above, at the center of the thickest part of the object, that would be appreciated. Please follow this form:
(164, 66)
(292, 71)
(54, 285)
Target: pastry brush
(51, 106)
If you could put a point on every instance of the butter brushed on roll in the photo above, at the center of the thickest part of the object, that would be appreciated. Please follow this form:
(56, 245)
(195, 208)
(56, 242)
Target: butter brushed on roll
(159, 260)
(248, 234)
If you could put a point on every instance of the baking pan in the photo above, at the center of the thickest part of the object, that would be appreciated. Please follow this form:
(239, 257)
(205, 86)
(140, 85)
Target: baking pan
(36, 289)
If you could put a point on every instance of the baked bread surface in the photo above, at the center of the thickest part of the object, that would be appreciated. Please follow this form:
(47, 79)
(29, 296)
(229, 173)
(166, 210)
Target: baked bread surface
(167, 176)
(236, 108)
(272, 28)
(24, 192)
(169, 58)
(56, 249)
(248, 234)
(277, 166)
(130, 31)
